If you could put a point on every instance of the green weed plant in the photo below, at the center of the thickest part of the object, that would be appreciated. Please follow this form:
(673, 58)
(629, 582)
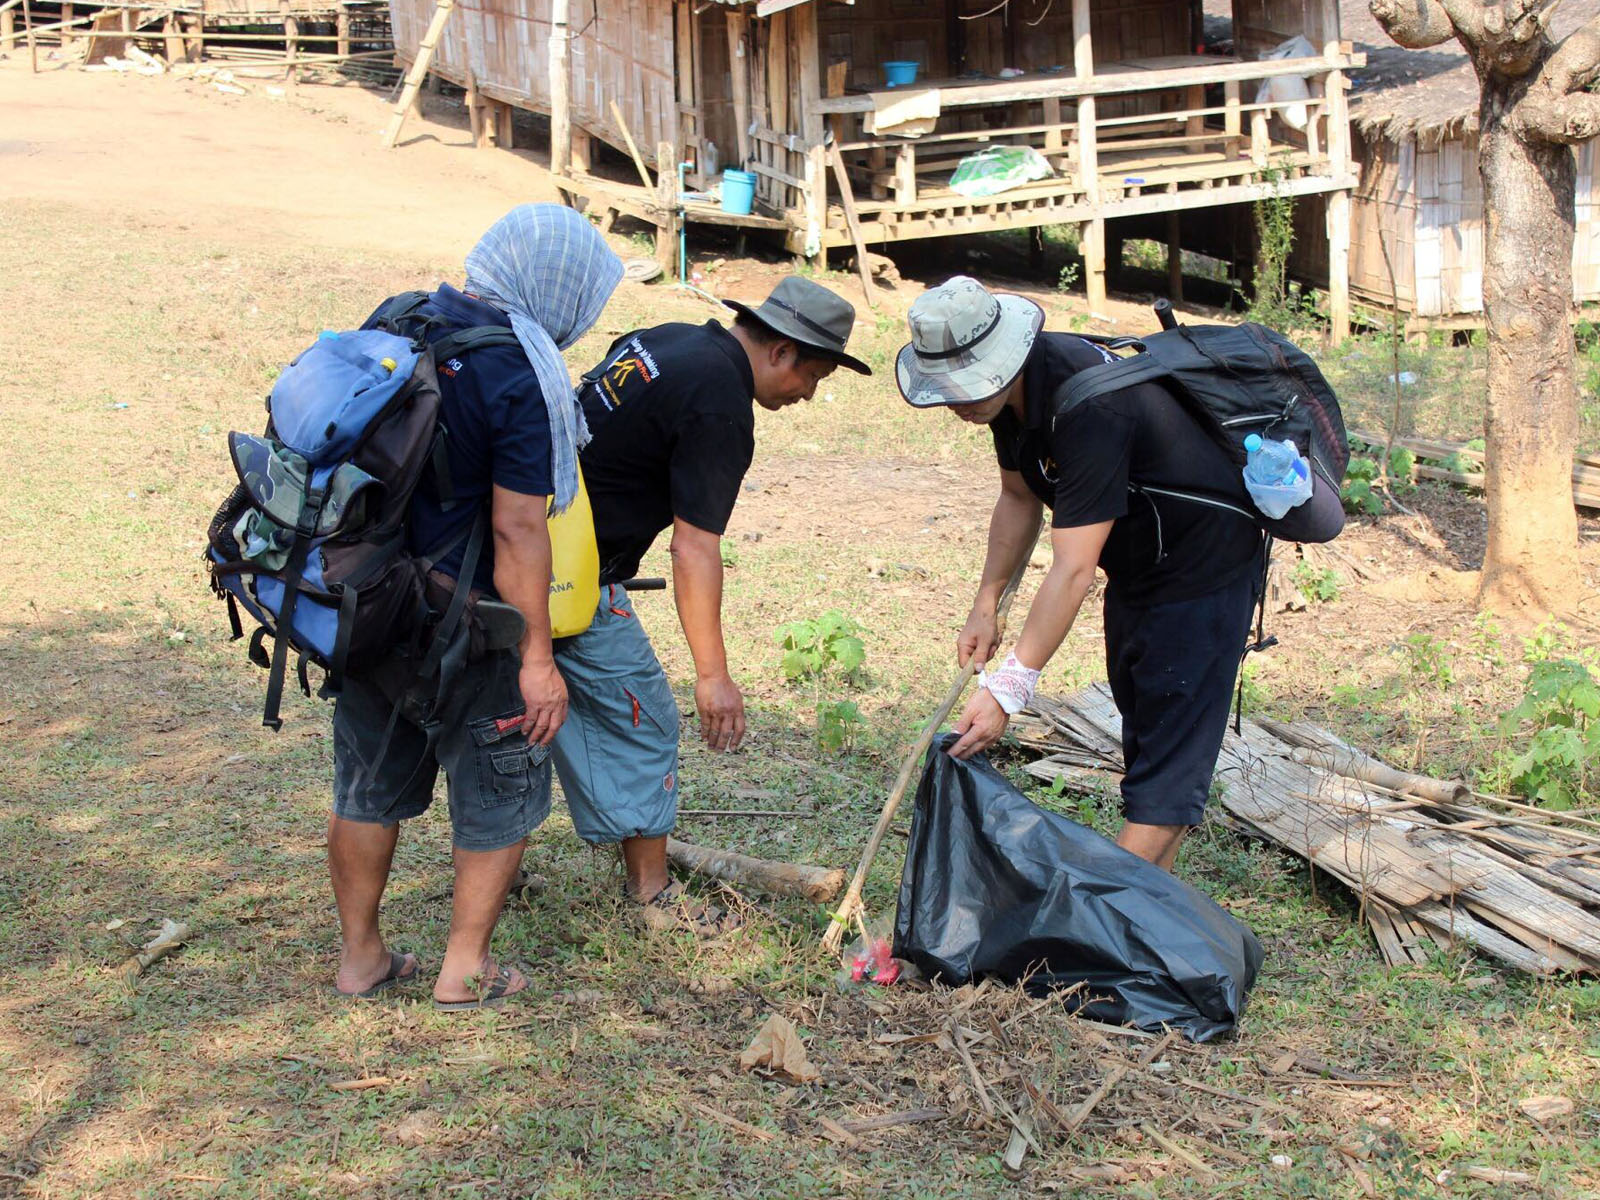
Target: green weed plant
(1319, 585)
(1561, 703)
(826, 649)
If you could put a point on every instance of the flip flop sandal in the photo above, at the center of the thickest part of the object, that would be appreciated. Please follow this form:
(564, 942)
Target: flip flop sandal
(497, 994)
(673, 908)
(397, 975)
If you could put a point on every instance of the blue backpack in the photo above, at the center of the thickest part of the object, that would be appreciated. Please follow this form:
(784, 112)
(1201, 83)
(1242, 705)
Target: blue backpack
(312, 541)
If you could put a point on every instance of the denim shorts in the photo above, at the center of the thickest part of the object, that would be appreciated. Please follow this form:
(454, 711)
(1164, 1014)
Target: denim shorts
(499, 785)
(617, 752)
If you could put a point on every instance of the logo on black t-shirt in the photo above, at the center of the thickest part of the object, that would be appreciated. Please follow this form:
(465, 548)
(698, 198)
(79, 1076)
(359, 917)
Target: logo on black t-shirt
(634, 366)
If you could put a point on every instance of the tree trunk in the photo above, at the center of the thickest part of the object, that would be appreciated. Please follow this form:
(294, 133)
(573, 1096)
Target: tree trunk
(1531, 420)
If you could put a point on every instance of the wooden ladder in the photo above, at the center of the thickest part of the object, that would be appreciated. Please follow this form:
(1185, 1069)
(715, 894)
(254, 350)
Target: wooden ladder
(418, 72)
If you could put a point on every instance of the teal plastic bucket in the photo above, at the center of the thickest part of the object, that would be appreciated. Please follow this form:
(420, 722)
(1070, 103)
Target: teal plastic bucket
(738, 192)
(897, 74)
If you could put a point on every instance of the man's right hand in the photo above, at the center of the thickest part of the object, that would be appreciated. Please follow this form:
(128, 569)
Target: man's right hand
(544, 693)
(721, 707)
(979, 638)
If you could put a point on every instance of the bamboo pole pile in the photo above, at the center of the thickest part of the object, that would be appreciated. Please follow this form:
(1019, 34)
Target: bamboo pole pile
(1460, 464)
(1428, 859)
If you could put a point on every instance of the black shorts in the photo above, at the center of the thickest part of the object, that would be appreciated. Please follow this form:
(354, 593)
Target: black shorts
(1172, 669)
(499, 785)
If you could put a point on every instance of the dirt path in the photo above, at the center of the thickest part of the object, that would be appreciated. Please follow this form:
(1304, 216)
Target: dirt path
(304, 165)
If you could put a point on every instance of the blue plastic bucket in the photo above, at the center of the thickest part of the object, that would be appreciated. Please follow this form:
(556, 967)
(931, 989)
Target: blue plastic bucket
(897, 73)
(738, 192)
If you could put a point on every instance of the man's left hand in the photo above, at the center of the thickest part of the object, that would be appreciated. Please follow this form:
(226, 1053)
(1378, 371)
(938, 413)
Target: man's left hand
(721, 707)
(981, 724)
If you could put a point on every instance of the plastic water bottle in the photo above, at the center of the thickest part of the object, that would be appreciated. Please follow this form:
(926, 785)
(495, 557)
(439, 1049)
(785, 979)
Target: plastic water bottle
(1276, 475)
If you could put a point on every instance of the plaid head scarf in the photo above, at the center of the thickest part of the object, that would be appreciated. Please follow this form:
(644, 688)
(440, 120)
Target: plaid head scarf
(551, 272)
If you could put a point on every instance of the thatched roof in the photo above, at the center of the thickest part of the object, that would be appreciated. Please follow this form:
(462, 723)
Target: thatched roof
(1433, 93)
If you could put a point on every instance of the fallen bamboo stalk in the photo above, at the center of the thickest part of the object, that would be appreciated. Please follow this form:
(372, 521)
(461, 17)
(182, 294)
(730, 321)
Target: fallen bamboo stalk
(633, 149)
(173, 934)
(852, 898)
(891, 1120)
(1353, 764)
(817, 884)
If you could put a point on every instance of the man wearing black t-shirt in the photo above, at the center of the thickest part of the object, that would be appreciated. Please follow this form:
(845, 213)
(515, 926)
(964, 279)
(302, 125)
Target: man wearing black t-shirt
(673, 434)
(1181, 575)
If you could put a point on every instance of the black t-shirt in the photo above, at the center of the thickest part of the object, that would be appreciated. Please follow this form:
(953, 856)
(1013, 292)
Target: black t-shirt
(497, 432)
(674, 433)
(1099, 464)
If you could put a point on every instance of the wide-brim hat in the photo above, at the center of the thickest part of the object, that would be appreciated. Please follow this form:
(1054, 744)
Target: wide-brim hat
(809, 314)
(968, 344)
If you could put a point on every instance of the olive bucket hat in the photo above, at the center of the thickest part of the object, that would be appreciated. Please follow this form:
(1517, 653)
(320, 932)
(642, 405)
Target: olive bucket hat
(967, 343)
(810, 314)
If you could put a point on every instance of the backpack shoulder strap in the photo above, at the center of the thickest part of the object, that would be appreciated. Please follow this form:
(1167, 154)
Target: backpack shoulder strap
(398, 308)
(1102, 379)
(463, 341)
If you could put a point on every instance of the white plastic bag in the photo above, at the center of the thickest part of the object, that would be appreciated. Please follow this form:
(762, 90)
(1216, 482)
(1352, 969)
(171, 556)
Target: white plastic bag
(1289, 90)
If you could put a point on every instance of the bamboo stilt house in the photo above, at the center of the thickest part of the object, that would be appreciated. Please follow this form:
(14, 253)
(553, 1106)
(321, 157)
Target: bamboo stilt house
(1117, 97)
(1414, 120)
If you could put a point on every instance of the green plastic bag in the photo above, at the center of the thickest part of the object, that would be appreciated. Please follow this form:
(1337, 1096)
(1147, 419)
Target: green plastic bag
(998, 169)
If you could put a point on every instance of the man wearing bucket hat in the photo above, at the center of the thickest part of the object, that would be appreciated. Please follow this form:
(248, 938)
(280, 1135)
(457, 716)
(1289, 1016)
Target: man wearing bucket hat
(674, 432)
(1181, 576)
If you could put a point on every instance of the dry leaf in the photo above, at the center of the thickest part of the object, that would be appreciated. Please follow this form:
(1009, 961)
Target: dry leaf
(1545, 1108)
(777, 1047)
(117, 924)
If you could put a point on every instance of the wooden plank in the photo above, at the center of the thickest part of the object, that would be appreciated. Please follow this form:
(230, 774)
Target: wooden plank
(1219, 71)
(418, 71)
(847, 201)
(739, 80)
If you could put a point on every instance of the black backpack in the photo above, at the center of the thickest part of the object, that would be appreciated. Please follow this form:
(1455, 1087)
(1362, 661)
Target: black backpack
(1236, 380)
(312, 541)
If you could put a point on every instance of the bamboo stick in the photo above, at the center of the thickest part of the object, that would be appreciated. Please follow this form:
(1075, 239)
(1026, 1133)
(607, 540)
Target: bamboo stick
(418, 72)
(852, 897)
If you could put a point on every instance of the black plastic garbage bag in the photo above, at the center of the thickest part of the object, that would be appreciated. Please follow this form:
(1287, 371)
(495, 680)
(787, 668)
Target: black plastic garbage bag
(996, 886)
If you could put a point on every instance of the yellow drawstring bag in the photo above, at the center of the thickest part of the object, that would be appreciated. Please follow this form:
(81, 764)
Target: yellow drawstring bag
(574, 567)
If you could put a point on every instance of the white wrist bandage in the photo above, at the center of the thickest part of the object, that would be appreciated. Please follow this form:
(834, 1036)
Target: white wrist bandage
(1012, 686)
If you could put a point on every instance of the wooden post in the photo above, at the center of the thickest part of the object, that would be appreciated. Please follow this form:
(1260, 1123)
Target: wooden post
(684, 44)
(341, 30)
(667, 201)
(1338, 266)
(560, 90)
(1174, 258)
(1193, 98)
(193, 28)
(905, 174)
(739, 74)
(171, 39)
(803, 26)
(1339, 163)
(1052, 135)
(475, 113)
(582, 150)
(1231, 125)
(1093, 238)
(291, 43)
(33, 44)
(8, 29)
(66, 23)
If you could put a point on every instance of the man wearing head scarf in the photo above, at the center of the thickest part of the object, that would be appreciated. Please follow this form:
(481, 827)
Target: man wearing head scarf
(674, 432)
(512, 433)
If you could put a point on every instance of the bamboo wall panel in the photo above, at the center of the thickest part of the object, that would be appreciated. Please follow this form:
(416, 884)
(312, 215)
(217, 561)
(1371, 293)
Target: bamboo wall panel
(1586, 232)
(621, 50)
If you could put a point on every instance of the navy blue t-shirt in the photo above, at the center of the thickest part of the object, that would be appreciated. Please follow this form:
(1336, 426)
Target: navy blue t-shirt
(674, 433)
(1096, 462)
(497, 432)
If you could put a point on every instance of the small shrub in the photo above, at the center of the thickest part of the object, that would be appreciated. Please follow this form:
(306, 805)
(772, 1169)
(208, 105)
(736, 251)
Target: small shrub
(1428, 659)
(1401, 463)
(1562, 703)
(1319, 585)
(730, 553)
(838, 722)
(1357, 491)
(829, 644)
(1068, 278)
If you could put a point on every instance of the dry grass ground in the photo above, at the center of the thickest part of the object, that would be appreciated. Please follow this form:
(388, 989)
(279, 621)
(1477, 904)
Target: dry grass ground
(163, 250)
